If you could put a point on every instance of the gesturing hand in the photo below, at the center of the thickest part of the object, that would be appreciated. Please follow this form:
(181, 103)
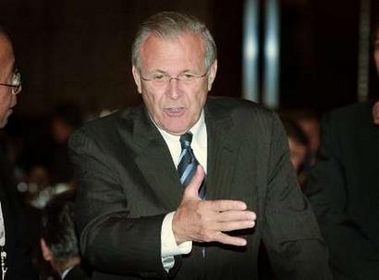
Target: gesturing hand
(206, 220)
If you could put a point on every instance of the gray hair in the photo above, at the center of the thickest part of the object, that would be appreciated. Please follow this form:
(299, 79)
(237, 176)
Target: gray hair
(170, 25)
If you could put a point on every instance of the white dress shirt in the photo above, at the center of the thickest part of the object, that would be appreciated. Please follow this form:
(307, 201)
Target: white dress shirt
(2, 228)
(169, 247)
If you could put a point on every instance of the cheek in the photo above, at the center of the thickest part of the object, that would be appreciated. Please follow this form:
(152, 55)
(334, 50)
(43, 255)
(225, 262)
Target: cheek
(201, 95)
(196, 104)
(3, 111)
(151, 100)
(5, 98)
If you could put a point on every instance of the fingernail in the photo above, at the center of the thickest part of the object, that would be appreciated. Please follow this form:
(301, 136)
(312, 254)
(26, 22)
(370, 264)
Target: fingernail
(243, 243)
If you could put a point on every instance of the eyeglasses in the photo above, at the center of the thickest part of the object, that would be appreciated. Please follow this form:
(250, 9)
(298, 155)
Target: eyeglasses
(15, 83)
(161, 79)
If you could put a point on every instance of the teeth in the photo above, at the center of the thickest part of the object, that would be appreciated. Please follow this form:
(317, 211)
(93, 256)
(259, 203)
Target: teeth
(174, 109)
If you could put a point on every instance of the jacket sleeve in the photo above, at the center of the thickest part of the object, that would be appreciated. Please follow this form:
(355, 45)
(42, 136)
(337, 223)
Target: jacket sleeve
(290, 234)
(110, 239)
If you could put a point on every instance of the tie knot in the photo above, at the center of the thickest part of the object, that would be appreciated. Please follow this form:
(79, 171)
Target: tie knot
(185, 140)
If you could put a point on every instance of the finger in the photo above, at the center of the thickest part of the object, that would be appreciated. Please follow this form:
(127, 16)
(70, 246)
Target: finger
(227, 205)
(230, 240)
(192, 190)
(234, 225)
(232, 215)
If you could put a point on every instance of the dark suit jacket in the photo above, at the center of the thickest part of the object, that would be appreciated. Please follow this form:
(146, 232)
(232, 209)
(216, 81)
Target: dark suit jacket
(128, 183)
(77, 273)
(17, 244)
(344, 191)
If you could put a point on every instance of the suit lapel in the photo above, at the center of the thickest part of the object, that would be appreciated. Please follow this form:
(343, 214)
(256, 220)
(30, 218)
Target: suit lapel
(221, 155)
(155, 162)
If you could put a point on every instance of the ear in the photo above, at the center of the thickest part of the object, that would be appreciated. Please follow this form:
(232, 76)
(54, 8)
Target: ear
(212, 74)
(46, 253)
(137, 79)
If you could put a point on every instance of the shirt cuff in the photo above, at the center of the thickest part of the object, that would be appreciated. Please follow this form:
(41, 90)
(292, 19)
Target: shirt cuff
(169, 246)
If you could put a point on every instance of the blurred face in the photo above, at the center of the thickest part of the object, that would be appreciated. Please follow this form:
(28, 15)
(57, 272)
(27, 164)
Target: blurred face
(298, 153)
(311, 128)
(7, 99)
(376, 51)
(176, 104)
(60, 130)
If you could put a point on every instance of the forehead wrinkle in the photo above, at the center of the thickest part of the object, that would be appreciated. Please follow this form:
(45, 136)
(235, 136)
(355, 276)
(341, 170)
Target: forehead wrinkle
(6, 50)
(7, 59)
(172, 42)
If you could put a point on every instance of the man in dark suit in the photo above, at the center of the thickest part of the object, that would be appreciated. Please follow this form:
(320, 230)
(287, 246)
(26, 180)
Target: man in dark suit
(15, 251)
(343, 190)
(343, 187)
(135, 217)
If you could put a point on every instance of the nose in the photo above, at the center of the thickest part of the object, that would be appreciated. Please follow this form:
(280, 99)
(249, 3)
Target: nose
(173, 89)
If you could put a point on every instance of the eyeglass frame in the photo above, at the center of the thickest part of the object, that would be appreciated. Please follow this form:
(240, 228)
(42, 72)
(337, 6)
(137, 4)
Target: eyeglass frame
(178, 77)
(16, 88)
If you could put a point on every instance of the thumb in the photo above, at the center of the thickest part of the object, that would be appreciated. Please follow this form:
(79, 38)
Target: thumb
(192, 190)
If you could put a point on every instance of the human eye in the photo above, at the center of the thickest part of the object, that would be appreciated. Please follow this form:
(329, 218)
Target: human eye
(186, 77)
(159, 77)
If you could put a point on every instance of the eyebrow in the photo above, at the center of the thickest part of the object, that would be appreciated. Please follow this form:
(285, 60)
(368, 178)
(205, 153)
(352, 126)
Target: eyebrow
(165, 72)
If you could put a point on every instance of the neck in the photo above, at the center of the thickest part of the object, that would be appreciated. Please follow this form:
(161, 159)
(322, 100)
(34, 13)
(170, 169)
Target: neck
(63, 266)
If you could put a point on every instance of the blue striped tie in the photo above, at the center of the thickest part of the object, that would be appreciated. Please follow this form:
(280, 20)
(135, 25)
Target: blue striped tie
(188, 163)
(187, 160)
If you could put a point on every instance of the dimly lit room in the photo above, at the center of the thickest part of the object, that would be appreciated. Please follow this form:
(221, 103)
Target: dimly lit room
(289, 66)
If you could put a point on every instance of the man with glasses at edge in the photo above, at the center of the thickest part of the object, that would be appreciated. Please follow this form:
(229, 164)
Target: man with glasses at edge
(15, 249)
(136, 214)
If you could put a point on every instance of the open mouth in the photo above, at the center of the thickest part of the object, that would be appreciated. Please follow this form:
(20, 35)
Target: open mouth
(174, 111)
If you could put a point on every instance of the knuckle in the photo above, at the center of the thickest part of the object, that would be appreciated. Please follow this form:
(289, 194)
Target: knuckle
(208, 237)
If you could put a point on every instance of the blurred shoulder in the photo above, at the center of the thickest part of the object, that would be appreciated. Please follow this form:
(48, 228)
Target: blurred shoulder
(237, 106)
(112, 121)
(356, 113)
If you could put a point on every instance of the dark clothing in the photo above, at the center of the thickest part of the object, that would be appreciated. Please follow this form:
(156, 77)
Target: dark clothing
(17, 245)
(343, 189)
(128, 183)
(77, 273)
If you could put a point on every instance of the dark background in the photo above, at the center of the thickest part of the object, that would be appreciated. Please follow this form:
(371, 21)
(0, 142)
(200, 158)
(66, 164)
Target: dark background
(79, 50)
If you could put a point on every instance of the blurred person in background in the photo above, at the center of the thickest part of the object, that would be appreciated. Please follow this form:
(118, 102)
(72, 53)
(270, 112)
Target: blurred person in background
(65, 118)
(59, 243)
(50, 171)
(16, 263)
(52, 174)
(309, 122)
(298, 145)
(343, 187)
